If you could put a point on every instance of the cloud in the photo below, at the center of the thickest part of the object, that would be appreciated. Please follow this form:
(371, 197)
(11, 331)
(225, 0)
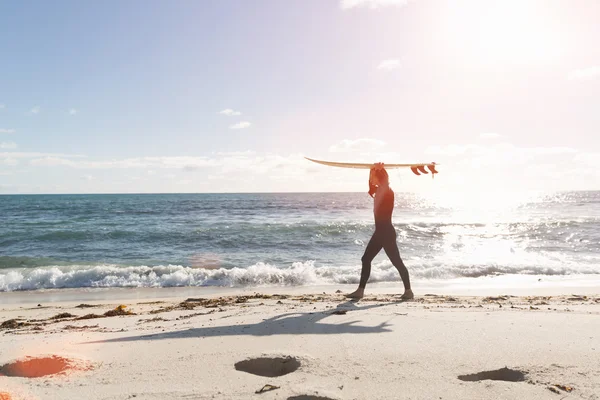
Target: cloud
(236, 172)
(389, 65)
(514, 164)
(551, 151)
(8, 161)
(8, 145)
(229, 112)
(364, 144)
(348, 4)
(505, 167)
(182, 162)
(453, 150)
(13, 154)
(587, 159)
(476, 169)
(50, 161)
(11, 157)
(585, 74)
(490, 135)
(72, 111)
(1, 106)
(235, 153)
(35, 110)
(231, 164)
(7, 131)
(240, 125)
(506, 150)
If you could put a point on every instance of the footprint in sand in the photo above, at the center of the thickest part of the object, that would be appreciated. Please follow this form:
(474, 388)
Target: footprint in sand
(269, 366)
(31, 367)
(309, 397)
(502, 374)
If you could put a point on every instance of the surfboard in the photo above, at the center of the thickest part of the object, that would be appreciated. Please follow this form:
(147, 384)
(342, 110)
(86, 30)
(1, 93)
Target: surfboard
(416, 168)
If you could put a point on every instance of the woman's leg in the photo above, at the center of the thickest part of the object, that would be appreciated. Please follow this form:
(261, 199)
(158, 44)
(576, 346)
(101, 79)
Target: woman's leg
(373, 248)
(391, 249)
(371, 251)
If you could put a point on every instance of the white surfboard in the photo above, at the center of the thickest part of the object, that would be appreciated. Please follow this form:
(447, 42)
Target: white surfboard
(417, 168)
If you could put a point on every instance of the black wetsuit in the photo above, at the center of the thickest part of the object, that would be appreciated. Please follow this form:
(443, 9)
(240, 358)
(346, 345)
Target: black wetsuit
(384, 238)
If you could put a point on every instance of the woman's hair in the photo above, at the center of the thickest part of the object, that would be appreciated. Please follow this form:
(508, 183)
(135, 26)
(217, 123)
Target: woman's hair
(381, 175)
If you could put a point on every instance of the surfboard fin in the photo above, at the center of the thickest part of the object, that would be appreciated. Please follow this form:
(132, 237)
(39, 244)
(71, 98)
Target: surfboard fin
(415, 170)
(431, 167)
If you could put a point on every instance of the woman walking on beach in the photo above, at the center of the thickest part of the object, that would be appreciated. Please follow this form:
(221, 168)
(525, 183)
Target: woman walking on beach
(384, 236)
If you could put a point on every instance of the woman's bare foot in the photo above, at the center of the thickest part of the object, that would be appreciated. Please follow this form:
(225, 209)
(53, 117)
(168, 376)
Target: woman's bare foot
(358, 294)
(408, 294)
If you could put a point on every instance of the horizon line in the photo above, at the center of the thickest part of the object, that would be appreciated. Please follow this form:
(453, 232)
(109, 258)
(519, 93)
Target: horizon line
(290, 192)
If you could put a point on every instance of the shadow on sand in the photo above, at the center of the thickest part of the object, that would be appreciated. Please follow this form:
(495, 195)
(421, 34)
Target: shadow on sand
(284, 324)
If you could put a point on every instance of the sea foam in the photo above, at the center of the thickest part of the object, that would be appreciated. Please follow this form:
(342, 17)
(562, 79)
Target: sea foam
(260, 274)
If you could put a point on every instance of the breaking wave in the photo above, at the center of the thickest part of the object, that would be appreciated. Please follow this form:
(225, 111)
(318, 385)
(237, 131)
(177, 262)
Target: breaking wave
(260, 274)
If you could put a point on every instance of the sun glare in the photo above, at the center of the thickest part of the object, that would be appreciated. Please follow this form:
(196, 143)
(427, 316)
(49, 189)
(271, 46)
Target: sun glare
(501, 32)
(480, 204)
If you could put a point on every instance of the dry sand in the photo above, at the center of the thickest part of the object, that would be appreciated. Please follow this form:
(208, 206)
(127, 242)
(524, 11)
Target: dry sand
(212, 347)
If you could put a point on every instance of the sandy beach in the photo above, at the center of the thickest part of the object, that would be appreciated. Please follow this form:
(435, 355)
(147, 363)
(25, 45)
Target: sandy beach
(303, 343)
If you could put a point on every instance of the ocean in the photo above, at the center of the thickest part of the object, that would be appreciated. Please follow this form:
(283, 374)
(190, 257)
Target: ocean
(245, 240)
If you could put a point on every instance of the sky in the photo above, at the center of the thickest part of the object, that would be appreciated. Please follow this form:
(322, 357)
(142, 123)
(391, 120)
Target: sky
(230, 95)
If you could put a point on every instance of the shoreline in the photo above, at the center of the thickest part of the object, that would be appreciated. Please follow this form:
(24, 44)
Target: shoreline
(517, 285)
